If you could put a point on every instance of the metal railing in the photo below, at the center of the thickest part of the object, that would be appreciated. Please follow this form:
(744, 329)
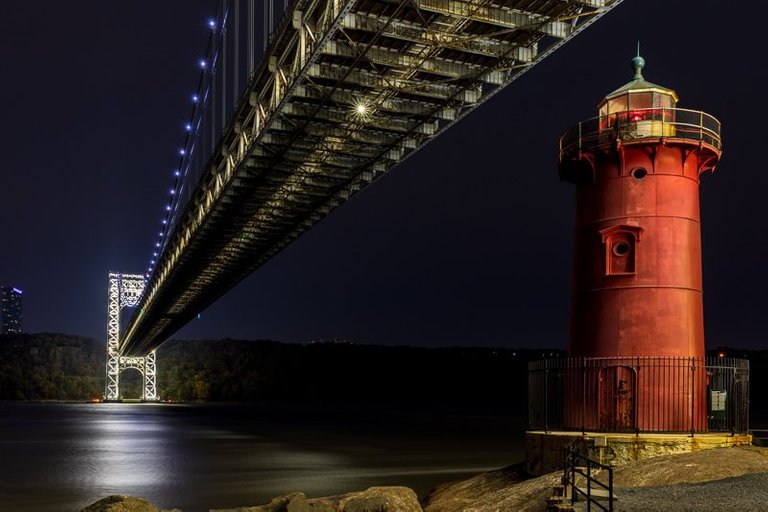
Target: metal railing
(640, 124)
(639, 394)
(578, 470)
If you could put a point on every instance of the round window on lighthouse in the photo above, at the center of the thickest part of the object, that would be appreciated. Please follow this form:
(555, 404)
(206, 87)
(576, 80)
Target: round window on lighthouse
(639, 173)
(621, 248)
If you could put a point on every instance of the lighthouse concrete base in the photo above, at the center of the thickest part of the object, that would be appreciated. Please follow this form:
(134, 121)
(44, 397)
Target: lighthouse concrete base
(545, 451)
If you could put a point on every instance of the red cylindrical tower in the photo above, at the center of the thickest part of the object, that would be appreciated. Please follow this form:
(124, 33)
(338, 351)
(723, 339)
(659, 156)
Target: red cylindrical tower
(637, 281)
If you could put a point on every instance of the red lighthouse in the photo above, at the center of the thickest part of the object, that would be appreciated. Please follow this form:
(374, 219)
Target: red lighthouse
(637, 280)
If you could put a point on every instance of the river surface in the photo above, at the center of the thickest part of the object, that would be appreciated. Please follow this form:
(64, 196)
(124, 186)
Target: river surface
(62, 457)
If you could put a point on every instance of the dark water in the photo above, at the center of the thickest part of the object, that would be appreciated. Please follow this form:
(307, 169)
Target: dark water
(61, 457)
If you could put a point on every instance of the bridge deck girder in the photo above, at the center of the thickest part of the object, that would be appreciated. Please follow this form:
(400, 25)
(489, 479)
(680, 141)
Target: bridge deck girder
(349, 89)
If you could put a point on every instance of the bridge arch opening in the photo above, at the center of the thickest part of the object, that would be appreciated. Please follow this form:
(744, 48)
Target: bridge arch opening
(131, 384)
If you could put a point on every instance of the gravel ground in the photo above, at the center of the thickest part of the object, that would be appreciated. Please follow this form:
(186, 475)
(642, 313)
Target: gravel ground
(743, 493)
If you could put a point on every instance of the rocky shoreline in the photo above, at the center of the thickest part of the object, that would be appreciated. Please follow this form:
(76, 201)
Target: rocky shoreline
(717, 479)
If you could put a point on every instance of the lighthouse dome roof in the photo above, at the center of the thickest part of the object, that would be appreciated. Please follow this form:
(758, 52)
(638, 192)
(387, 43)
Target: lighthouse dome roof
(639, 85)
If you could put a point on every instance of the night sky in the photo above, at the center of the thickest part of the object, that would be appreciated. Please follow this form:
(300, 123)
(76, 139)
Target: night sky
(467, 243)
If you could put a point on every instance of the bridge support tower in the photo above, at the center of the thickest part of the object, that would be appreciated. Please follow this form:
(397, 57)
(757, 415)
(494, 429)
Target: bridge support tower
(125, 291)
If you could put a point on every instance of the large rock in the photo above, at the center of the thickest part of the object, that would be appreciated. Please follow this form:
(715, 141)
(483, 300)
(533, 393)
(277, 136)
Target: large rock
(374, 499)
(691, 468)
(294, 502)
(504, 489)
(119, 503)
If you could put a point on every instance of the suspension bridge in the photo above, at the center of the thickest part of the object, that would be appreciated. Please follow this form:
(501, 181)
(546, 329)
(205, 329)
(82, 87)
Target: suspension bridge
(301, 104)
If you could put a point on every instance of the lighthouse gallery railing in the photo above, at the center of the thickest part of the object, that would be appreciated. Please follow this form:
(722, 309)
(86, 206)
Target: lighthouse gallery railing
(639, 394)
(640, 124)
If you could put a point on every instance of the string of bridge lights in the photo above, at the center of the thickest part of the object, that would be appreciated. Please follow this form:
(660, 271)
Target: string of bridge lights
(192, 130)
(193, 127)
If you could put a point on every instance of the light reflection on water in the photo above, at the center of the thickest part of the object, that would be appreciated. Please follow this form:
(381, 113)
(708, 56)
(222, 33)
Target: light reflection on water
(115, 447)
(60, 457)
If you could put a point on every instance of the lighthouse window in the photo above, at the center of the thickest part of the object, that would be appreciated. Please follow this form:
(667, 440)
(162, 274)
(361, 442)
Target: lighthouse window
(639, 173)
(662, 100)
(641, 100)
(620, 242)
(621, 248)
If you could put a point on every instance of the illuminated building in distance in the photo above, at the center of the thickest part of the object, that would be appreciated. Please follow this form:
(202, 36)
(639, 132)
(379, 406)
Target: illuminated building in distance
(10, 310)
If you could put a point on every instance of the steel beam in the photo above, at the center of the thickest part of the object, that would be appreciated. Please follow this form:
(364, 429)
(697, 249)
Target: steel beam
(296, 148)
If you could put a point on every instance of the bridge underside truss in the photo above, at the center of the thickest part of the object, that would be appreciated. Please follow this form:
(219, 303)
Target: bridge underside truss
(350, 89)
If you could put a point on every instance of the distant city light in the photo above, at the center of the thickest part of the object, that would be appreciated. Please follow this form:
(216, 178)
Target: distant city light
(154, 254)
(195, 98)
(168, 207)
(165, 221)
(172, 191)
(188, 127)
(157, 244)
(152, 262)
(182, 152)
(203, 64)
(212, 23)
(17, 291)
(177, 173)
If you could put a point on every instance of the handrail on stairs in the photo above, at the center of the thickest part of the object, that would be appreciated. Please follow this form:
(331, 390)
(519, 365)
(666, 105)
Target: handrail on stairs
(579, 478)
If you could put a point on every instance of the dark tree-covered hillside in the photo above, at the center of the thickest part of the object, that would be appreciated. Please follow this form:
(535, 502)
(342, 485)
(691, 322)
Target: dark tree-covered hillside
(51, 367)
(64, 367)
(342, 372)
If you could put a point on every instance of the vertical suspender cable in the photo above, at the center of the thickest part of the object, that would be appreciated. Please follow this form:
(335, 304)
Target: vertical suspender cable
(214, 88)
(213, 113)
(223, 73)
(251, 49)
(265, 27)
(271, 16)
(236, 81)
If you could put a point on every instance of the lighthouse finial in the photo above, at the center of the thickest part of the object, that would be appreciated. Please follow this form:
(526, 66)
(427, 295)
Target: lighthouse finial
(637, 64)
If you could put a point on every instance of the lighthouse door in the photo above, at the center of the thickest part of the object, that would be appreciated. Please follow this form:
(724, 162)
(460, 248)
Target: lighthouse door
(617, 399)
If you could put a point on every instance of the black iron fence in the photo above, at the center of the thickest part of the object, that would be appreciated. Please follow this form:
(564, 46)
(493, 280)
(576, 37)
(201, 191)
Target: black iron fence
(639, 394)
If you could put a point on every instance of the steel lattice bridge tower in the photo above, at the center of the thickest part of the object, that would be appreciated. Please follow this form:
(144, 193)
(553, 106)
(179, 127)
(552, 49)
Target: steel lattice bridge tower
(125, 291)
(341, 92)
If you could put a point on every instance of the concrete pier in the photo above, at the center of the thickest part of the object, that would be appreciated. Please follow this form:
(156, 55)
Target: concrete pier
(545, 450)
